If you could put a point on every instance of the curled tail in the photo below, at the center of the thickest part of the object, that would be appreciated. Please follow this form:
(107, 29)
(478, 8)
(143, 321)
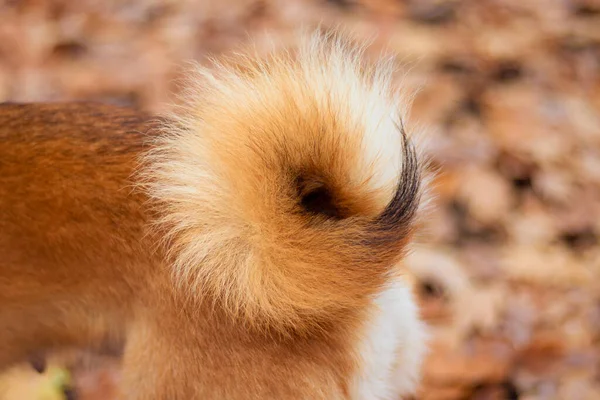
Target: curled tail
(287, 184)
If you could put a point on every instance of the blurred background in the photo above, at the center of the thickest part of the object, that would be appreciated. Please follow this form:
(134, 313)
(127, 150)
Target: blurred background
(508, 262)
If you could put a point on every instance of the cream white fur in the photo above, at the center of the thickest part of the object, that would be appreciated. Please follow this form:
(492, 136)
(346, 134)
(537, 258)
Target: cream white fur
(393, 348)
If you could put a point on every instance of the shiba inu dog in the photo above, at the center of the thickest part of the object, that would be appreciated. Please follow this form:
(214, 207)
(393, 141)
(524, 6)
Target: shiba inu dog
(247, 245)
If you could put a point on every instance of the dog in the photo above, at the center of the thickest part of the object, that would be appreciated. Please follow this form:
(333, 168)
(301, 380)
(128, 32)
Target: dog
(247, 245)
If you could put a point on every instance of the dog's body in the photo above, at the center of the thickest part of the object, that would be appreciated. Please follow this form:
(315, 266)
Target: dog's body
(252, 255)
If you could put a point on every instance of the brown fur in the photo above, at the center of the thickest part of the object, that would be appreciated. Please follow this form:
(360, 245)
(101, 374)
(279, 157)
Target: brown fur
(269, 186)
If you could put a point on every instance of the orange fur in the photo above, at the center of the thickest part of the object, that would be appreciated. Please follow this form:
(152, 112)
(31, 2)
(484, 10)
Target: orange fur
(242, 259)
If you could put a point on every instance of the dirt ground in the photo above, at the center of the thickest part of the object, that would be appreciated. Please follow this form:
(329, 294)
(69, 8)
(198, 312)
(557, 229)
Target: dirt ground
(508, 261)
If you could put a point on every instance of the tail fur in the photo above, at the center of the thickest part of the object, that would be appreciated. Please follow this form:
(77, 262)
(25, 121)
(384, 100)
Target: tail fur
(287, 184)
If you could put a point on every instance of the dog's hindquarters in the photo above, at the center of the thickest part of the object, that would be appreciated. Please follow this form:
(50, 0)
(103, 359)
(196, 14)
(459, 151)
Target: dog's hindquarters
(247, 257)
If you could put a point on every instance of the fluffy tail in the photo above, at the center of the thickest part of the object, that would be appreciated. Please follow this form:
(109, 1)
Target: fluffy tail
(287, 184)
